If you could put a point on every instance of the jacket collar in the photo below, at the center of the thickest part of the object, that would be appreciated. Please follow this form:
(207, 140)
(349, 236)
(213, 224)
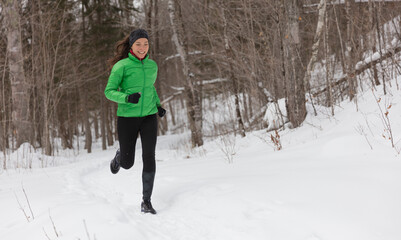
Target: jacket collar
(135, 59)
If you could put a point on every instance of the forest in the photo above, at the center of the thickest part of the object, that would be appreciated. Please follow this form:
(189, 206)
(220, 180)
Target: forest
(245, 56)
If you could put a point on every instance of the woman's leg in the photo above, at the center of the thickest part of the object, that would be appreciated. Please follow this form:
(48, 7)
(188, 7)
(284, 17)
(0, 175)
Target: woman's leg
(128, 128)
(148, 132)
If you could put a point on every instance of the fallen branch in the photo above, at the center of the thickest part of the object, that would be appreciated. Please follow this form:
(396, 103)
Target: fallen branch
(27, 200)
(47, 236)
(22, 209)
(54, 226)
(180, 90)
(171, 97)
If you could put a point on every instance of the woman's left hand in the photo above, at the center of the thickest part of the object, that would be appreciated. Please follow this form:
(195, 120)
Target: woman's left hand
(161, 111)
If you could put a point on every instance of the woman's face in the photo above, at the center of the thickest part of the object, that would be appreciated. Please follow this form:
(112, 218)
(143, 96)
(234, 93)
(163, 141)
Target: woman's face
(140, 47)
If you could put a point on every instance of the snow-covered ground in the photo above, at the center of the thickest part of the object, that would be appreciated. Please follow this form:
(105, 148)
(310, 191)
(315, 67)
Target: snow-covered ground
(336, 178)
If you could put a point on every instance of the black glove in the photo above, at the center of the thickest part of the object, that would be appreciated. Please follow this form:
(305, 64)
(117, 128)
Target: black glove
(161, 111)
(133, 98)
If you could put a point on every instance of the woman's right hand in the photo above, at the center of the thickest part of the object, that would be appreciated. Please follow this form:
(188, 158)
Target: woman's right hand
(134, 98)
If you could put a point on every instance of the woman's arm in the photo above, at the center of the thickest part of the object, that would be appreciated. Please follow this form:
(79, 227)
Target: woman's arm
(157, 97)
(111, 92)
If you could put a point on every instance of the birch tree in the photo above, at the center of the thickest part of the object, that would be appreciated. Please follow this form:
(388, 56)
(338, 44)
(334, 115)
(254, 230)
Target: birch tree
(19, 88)
(350, 52)
(316, 41)
(194, 110)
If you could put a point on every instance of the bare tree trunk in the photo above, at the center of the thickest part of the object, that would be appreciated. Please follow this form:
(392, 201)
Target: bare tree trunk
(350, 53)
(316, 41)
(193, 107)
(379, 37)
(153, 26)
(251, 21)
(148, 4)
(315, 47)
(160, 90)
(63, 130)
(19, 88)
(85, 119)
(233, 77)
(96, 124)
(342, 55)
(330, 101)
(46, 126)
(110, 124)
(295, 99)
(103, 112)
(172, 114)
(114, 118)
(281, 27)
(36, 105)
(4, 114)
(372, 41)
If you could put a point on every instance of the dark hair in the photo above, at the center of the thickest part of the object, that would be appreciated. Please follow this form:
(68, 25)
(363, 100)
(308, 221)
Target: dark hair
(122, 49)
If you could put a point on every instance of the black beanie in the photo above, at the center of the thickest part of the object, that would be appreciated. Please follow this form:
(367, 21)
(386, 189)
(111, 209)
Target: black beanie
(137, 34)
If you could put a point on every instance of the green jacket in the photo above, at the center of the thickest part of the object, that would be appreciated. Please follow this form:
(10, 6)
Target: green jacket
(130, 75)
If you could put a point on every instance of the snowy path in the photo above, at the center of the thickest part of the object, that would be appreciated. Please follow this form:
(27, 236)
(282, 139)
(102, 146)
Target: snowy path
(191, 200)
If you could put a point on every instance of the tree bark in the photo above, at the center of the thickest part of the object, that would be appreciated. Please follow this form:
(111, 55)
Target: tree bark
(372, 41)
(4, 113)
(318, 35)
(295, 99)
(233, 77)
(350, 53)
(109, 114)
(19, 88)
(85, 119)
(329, 75)
(103, 112)
(193, 107)
(379, 38)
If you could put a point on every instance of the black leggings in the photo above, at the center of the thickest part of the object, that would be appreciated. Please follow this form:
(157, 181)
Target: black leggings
(128, 130)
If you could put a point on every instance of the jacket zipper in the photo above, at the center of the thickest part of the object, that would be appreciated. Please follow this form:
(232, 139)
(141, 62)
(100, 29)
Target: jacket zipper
(143, 86)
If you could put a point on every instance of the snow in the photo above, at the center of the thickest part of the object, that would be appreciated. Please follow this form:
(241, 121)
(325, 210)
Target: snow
(177, 55)
(216, 80)
(273, 113)
(336, 178)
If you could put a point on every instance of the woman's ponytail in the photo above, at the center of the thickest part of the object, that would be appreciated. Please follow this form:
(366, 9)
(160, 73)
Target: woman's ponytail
(121, 51)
